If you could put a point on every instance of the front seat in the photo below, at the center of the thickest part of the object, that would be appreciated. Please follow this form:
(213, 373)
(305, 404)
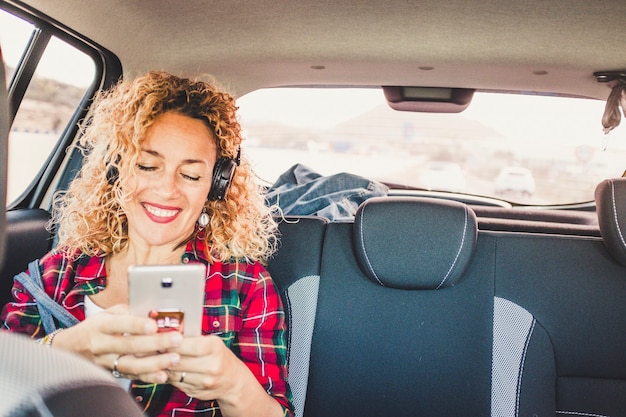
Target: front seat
(37, 381)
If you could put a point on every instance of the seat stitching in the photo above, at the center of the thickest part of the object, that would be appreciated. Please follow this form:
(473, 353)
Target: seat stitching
(614, 203)
(369, 264)
(458, 253)
(289, 320)
(521, 371)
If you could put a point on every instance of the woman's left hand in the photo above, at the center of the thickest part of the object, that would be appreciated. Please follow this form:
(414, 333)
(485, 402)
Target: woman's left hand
(209, 370)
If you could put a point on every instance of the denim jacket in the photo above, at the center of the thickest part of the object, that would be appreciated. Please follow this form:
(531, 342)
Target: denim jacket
(302, 191)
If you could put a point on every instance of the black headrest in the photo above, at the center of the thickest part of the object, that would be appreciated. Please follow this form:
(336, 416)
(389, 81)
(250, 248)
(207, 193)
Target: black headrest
(611, 209)
(414, 243)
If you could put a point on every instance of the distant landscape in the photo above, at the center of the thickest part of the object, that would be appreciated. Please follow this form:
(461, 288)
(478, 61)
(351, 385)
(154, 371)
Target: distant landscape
(47, 106)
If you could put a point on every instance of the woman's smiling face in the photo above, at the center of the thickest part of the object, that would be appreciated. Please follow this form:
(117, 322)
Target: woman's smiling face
(173, 178)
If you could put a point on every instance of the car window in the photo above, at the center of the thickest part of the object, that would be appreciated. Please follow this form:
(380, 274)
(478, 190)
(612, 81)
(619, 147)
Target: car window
(62, 76)
(14, 35)
(523, 148)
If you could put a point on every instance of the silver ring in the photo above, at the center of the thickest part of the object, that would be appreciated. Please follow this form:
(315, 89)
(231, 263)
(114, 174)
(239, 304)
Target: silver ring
(114, 371)
(182, 377)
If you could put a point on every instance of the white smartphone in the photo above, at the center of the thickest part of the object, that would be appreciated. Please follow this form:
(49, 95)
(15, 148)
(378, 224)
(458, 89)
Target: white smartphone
(173, 295)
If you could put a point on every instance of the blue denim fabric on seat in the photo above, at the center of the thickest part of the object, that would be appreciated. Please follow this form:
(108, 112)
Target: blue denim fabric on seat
(301, 191)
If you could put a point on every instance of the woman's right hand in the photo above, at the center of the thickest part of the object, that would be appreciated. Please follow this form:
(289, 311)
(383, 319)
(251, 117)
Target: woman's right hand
(133, 341)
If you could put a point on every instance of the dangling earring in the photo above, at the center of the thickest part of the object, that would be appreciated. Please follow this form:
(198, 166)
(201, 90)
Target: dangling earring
(203, 220)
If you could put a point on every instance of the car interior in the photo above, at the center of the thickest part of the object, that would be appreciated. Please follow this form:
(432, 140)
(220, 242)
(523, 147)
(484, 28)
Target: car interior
(477, 281)
(35, 381)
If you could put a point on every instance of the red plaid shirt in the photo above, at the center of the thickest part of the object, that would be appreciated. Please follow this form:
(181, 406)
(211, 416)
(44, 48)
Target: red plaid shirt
(241, 303)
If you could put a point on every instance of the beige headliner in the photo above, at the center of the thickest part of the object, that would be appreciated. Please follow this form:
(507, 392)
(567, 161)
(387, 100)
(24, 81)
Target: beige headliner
(485, 44)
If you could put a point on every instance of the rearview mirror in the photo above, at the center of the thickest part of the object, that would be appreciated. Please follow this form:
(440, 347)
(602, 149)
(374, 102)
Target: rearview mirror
(428, 99)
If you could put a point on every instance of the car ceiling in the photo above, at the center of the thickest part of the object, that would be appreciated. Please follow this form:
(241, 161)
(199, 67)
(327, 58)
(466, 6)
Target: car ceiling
(535, 45)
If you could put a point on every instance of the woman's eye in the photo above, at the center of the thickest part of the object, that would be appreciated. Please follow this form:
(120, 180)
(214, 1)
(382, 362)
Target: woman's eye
(145, 167)
(190, 177)
(150, 168)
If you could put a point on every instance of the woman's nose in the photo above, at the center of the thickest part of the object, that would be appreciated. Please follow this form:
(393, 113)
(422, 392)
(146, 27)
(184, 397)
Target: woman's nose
(167, 185)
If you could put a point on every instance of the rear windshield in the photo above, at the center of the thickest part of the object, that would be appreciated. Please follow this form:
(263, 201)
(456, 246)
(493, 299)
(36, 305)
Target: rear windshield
(525, 149)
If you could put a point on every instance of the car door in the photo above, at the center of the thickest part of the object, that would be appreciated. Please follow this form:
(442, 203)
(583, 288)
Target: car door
(51, 75)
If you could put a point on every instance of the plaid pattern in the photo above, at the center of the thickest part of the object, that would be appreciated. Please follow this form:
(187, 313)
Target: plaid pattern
(242, 305)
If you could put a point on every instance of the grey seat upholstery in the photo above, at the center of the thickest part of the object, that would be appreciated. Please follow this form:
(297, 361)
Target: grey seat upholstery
(393, 336)
(565, 315)
(560, 318)
(296, 271)
(419, 313)
(414, 243)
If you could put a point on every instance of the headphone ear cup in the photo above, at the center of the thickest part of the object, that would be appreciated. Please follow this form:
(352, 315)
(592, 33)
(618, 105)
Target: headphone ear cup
(223, 173)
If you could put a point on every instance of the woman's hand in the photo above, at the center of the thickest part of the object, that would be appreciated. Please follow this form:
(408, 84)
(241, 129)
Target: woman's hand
(115, 335)
(209, 370)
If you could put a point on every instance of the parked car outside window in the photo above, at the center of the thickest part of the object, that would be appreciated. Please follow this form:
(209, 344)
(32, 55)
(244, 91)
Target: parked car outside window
(443, 176)
(515, 181)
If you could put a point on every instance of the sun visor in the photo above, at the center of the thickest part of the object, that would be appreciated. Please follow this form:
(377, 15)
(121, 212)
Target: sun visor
(428, 99)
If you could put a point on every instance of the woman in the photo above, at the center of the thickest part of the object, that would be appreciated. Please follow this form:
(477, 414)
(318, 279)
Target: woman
(146, 195)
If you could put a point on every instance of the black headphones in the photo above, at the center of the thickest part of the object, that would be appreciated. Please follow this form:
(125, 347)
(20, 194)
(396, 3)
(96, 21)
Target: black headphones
(223, 173)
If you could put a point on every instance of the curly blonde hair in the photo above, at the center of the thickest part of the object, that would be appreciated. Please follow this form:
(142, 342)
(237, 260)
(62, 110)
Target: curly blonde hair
(89, 214)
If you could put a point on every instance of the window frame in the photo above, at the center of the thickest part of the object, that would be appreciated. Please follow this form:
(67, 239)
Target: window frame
(60, 167)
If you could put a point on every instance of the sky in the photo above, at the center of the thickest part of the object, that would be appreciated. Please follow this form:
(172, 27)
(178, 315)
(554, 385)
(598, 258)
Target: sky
(289, 105)
(525, 118)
